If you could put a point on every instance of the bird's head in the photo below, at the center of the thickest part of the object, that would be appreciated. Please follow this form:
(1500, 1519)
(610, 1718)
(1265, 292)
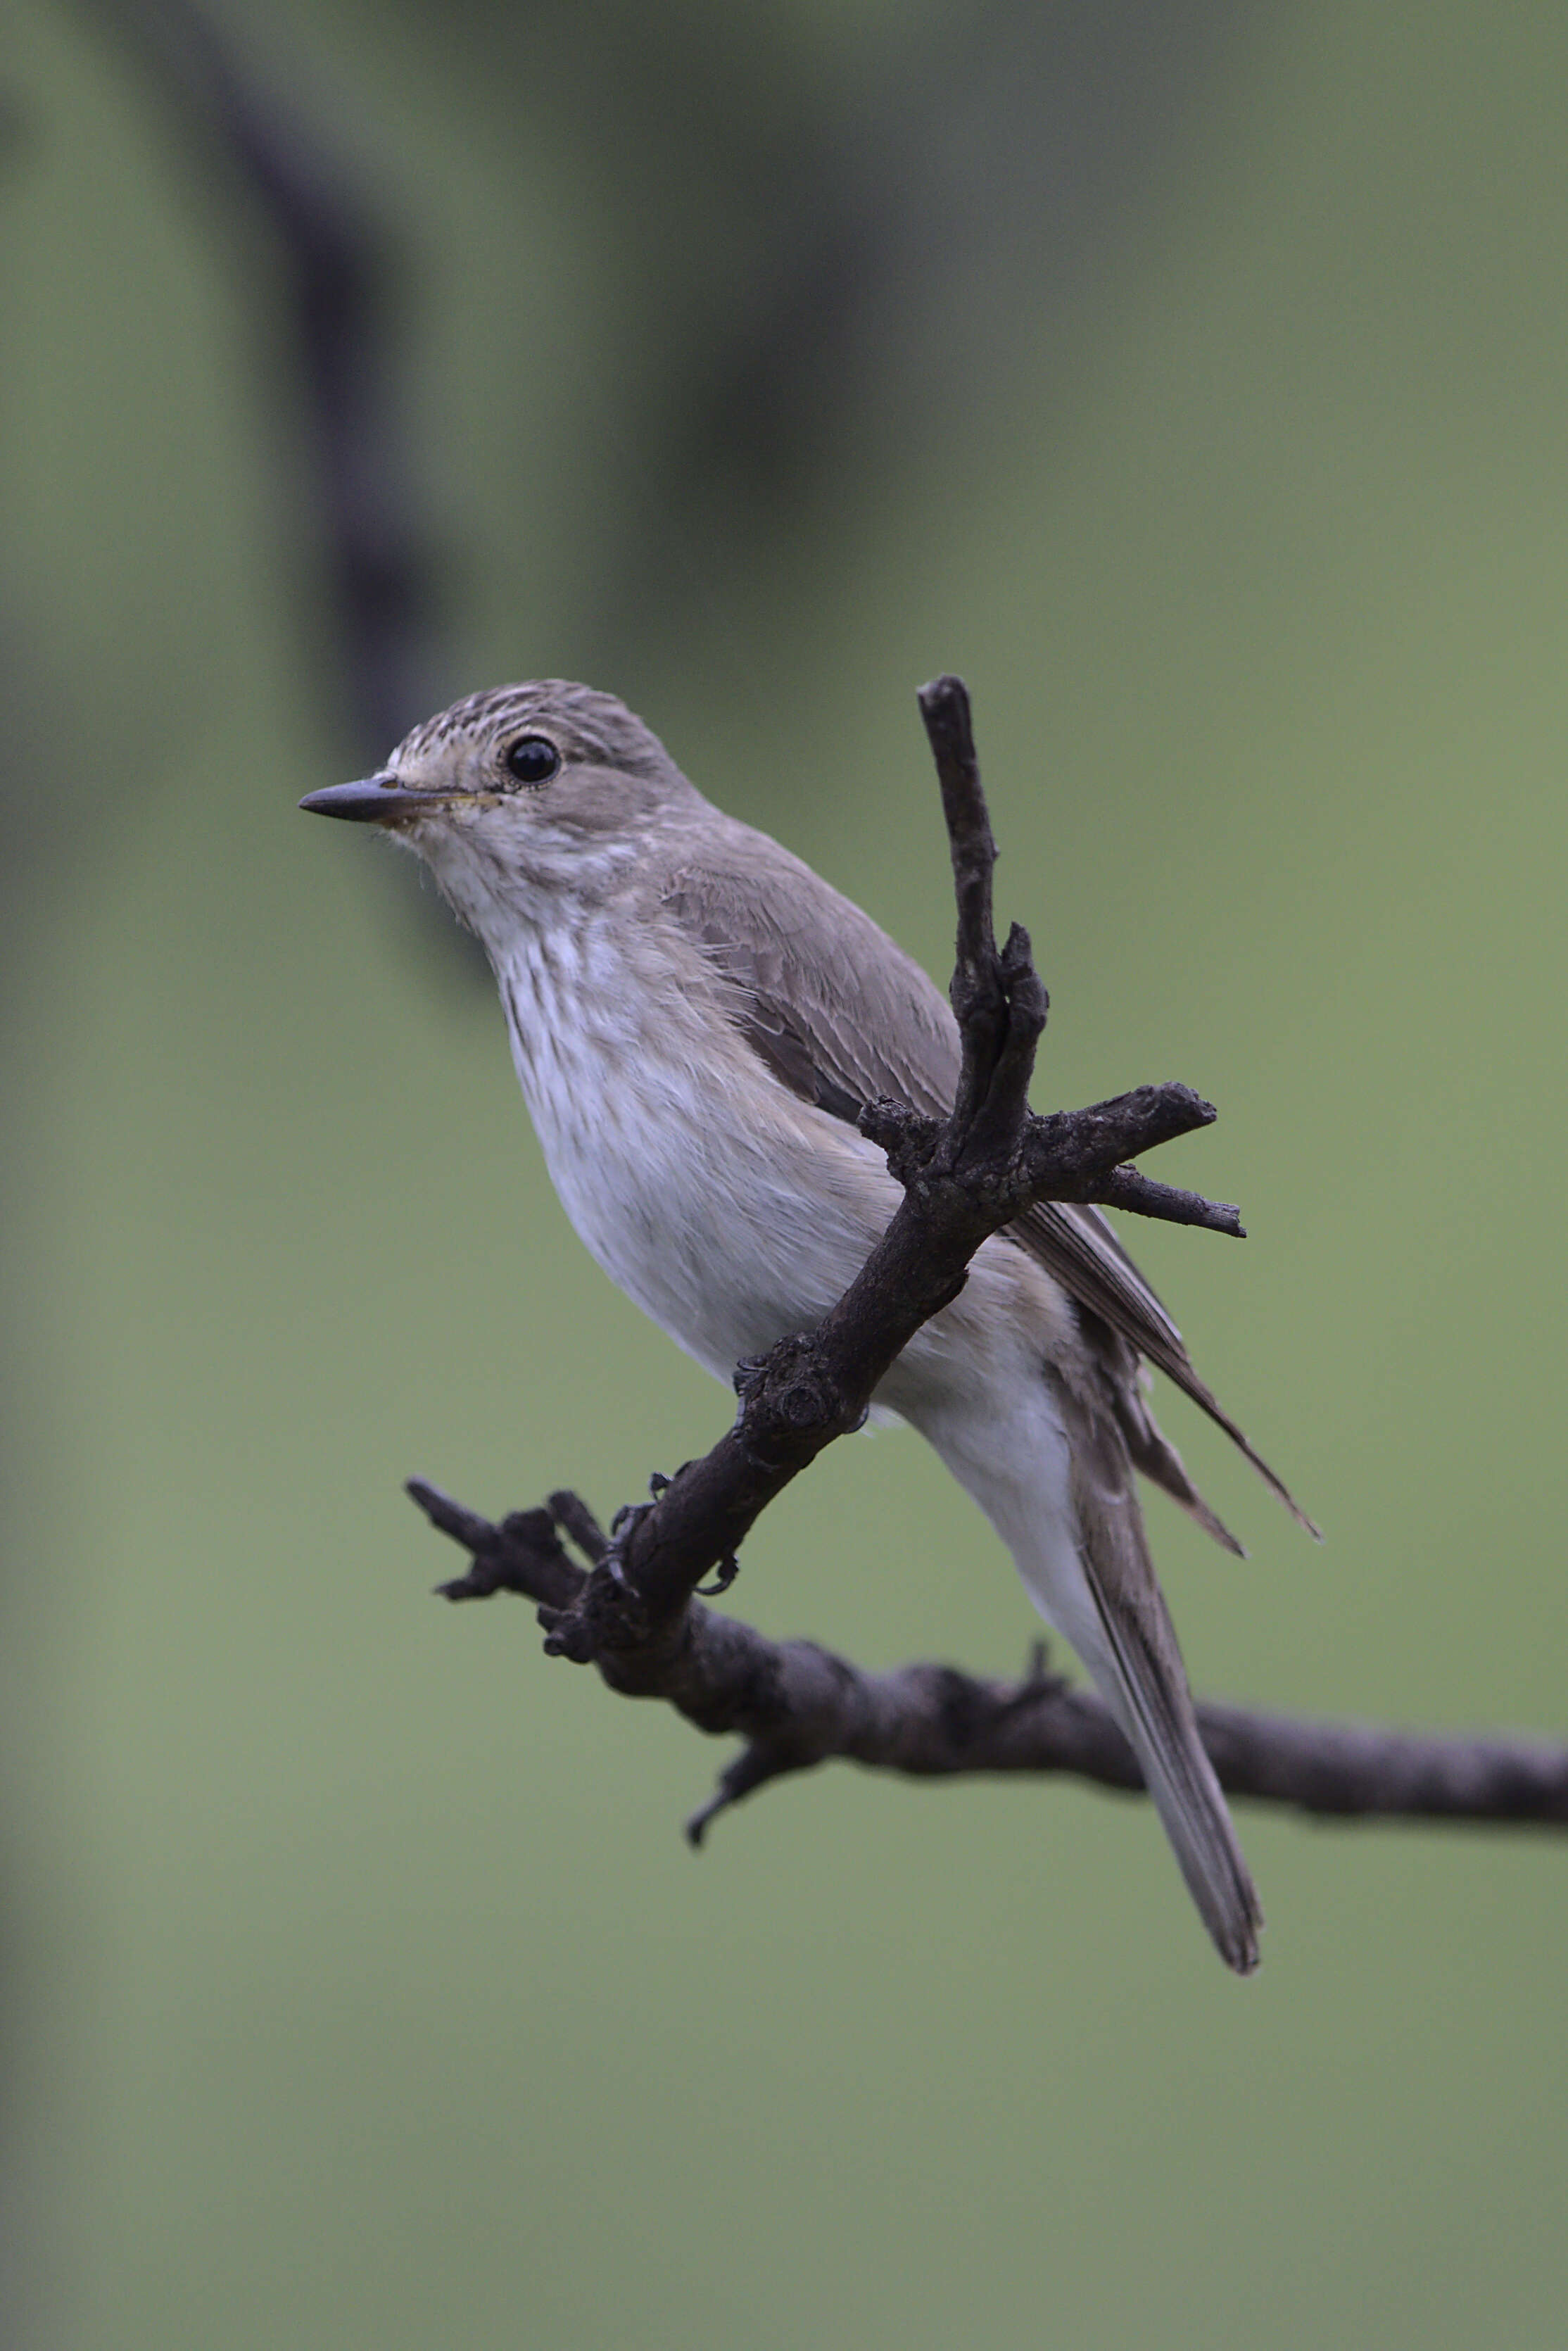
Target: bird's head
(546, 789)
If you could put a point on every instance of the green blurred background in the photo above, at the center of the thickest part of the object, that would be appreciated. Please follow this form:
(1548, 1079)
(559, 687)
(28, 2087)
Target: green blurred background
(1194, 379)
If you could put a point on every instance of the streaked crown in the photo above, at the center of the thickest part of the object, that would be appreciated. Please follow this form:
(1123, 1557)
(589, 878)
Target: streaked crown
(588, 728)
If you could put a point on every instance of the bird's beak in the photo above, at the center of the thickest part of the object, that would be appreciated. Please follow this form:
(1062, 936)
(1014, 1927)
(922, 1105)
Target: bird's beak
(376, 800)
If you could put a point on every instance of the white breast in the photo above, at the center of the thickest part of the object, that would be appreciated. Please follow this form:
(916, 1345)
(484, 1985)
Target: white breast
(730, 1212)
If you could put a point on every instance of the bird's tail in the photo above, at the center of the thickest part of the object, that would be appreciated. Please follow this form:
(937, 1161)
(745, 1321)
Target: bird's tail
(1146, 1687)
(1050, 1470)
(1092, 1578)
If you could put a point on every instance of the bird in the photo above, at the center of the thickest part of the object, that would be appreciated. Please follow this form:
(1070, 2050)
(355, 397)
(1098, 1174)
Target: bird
(696, 1019)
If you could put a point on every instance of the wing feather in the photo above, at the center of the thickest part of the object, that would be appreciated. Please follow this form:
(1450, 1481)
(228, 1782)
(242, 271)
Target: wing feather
(840, 1015)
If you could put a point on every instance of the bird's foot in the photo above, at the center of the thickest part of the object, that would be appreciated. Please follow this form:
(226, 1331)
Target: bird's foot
(629, 1515)
(728, 1569)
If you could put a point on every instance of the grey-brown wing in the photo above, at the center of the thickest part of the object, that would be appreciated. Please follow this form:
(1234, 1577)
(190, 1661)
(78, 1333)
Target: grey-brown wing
(840, 1015)
(1090, 1262)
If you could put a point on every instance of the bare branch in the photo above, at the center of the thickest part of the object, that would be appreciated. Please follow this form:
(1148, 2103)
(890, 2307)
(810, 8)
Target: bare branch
(797, 1705)
(985, 983)
(1125, 1188)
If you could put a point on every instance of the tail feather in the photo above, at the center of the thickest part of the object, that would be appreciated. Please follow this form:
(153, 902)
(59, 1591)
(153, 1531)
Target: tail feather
(1113, 1611)
(1201, 1394)
(1156, 1713)
(1051, 1468)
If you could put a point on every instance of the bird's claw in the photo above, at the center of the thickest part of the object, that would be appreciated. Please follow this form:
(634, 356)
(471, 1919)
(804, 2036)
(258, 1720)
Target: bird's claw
(628, 1516)
(728, 1569)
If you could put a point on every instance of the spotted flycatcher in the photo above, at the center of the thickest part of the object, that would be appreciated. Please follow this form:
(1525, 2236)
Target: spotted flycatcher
(697, 1021)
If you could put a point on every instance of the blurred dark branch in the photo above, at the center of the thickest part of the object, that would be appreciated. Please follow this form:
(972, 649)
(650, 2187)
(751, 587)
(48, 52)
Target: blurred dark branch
(834, 207)
(859, 228)
(631, 1610)
(336, 259)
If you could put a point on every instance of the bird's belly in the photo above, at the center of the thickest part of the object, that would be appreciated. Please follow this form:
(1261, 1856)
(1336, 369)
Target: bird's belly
(729, 1222)
(732, 1213)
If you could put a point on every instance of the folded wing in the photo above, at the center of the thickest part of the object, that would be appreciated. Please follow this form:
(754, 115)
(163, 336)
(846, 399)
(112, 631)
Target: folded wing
(840, 1015)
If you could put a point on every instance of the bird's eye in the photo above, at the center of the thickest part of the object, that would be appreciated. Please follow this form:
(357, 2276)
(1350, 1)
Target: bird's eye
(532, 759)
